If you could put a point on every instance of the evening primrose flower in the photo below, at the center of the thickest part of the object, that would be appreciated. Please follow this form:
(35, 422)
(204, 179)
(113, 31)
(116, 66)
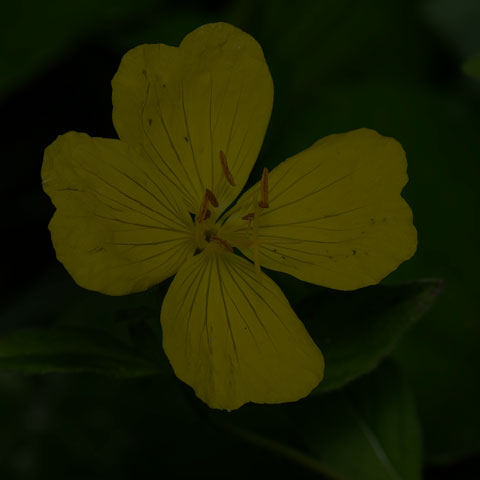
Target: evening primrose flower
(132, 212)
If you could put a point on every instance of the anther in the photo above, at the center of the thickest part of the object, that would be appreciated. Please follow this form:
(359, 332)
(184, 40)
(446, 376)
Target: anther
(249, 216)
(204, 211)
(226, 170)
(263, 203)
(221, 242)
(211, 197)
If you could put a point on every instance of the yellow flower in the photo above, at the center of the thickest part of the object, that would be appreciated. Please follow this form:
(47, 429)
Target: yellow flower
(135, 211)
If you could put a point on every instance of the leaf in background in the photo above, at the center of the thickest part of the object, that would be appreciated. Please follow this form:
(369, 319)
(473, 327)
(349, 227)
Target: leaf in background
(336, 37)
(328, 43)
(55, 299)
(157, 27)
(472, 67)
(367, 431)
(33, 34)
(42, 303)
(90, 332)
(356, 330)
(144, 331)
(72, 351)
(457, 21)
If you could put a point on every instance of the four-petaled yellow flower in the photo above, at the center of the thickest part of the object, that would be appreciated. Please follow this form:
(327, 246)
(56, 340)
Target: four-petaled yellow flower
(135, 211)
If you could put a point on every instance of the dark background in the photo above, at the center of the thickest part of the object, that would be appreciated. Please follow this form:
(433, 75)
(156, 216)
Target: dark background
(394, 66)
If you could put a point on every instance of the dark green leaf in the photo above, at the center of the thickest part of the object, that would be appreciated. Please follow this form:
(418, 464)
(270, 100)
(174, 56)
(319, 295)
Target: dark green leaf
(34, 33)
(472, 67)
(441, 359)
(367, 431)
(356, 330)
(145, 331)
(72, 350)
(456, 21)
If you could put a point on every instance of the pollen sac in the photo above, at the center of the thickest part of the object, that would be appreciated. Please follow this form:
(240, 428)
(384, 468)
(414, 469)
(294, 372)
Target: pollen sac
(211, 197)
(226, 170)
(249, 216)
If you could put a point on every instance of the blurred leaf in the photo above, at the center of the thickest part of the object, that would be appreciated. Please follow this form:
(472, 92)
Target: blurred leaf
(168, 27)
(457, 21)
(334, 37)
(369, 430)
(89, 332)
(145, 331)
(472, 67)
(327, 45)
(42, 303)
(33, 34)
(55, 299)
(73, 351)
(356, 330)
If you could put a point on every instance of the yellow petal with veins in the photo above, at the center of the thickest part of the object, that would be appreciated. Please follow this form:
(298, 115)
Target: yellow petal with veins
(336, 217)
(184, 105)
(233, 337)
(117, 229)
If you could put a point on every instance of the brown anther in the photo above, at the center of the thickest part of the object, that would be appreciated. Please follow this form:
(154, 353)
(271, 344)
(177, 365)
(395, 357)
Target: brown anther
(263, 203)
(249, 216)
(226, 170)
(221, 242)
(211, 197)
(204, 211)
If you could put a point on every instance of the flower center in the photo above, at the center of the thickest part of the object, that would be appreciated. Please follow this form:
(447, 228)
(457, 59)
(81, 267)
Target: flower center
(206, 230)
(246, 236)
(205, 227)
(208, 234)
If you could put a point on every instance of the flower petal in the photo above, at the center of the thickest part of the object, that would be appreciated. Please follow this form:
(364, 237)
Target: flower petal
(336, 217)
(233, 337)
(214, 92)
(117, 229)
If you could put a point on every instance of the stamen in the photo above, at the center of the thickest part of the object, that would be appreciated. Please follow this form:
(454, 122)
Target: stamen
(226, 170)
(249, 217)
(211, 197)
(203, 209)
(255, 241)
(221, 242)
(263, 203)
(256, 263)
